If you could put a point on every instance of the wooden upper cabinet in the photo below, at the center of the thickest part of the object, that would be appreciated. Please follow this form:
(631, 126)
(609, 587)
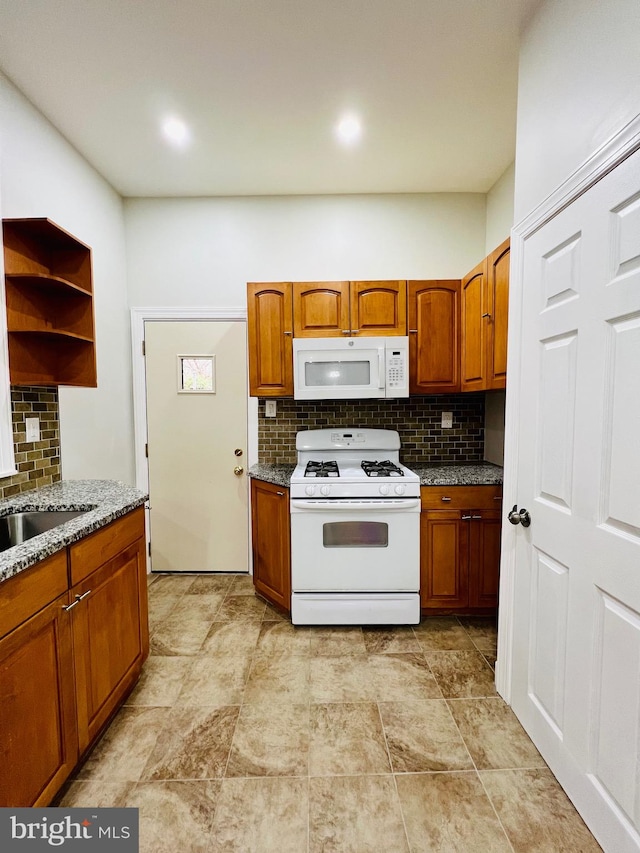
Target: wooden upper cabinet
(320, 309)
(331, 309)
(498, 308)
(49, 297)
(484, 311)
(270, 328)
(473, 329)
(434, 336)
(378, 308)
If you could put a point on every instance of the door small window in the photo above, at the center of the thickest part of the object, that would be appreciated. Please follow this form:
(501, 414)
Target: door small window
(196, 374)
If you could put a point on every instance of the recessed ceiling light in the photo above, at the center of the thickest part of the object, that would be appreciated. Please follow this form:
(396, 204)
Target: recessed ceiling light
(176, 132)
(349, 129)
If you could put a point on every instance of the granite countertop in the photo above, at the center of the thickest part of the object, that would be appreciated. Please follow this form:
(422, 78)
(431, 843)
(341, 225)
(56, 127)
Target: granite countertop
(475, 474)
(467, 474)
(101, 500)
(278, 474)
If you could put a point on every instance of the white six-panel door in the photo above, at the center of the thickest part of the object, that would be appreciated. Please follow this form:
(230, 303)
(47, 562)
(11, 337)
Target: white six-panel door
(576, 640)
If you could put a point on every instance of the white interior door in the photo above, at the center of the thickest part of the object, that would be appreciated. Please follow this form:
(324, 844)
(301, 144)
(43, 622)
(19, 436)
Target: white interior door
(576, 643)
(199, 506)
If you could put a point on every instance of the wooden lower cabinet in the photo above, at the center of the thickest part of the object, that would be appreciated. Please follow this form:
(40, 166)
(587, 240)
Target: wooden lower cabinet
(38, 740)
(109, 637)
(271, 542)
(460, 548)
(68, 656)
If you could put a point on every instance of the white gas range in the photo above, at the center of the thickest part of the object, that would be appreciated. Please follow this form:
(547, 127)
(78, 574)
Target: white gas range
(355, 530)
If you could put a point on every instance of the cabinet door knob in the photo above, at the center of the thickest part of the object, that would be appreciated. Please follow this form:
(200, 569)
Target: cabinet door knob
(413, 331)
(486, 315)
(288, 333)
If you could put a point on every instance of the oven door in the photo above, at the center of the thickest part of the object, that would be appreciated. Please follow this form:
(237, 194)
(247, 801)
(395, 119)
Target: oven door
(355, 545)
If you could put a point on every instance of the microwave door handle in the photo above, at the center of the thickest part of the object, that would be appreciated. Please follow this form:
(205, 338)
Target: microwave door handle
(381, 366)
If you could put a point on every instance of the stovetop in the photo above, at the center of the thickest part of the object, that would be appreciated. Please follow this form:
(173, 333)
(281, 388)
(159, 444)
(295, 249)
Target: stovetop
(351, 463)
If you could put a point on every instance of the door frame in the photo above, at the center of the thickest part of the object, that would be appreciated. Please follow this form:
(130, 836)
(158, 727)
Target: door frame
(620, 146)
(138, 318)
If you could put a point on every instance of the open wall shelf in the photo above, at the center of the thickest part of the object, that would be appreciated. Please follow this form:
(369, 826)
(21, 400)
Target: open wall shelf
(49, 296)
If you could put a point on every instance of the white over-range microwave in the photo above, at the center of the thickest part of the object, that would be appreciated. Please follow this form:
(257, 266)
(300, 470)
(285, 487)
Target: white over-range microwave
(350, 368)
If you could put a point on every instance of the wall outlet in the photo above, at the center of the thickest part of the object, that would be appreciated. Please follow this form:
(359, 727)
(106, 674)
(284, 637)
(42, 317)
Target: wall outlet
(33, 429)
(447, 420)
(270, 408)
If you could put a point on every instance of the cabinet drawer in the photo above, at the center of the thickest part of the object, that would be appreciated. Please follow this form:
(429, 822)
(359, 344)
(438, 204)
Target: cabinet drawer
(29, 591)
(88, 554)
(461, 497)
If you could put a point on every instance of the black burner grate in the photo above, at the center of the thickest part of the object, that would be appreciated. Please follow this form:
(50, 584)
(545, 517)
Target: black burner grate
(381, 469)
(322, 469)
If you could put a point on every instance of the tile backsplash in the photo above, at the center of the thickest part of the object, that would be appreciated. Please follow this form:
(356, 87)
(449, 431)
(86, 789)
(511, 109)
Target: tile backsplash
(38, 462)
(417, 419)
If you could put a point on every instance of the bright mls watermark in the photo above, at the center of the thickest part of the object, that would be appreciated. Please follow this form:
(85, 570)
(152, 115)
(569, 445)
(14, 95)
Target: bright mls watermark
(79, 830)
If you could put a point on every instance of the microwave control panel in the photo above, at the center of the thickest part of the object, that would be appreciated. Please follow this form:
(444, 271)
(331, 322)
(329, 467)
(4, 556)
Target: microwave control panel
(397, 371)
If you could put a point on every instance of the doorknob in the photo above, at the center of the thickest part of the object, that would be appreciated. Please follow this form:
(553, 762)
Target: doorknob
(238, 470)
(517, 516)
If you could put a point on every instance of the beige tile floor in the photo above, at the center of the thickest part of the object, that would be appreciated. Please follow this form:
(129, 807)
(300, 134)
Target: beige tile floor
(247, 734)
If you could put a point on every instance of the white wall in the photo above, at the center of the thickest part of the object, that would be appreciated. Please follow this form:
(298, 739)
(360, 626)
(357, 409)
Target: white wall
(202, 252)
(498, 227)
(42, 175)
(500, 209)
(579, 83)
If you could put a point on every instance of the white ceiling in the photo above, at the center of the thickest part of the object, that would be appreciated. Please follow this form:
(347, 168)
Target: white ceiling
(262, 83)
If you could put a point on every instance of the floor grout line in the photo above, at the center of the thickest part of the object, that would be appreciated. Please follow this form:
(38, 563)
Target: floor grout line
(307, 655)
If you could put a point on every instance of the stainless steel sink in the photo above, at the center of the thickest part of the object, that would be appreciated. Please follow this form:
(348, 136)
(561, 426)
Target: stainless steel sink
(20, 526)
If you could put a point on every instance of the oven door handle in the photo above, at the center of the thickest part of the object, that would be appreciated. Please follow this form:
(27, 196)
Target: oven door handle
(355, 505)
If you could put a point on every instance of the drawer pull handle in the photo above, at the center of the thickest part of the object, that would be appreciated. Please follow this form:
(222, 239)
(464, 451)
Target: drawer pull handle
(498, 498)
(466, 518)
(476, 516)
(280, 494)
(445, 500)
(77, 600)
